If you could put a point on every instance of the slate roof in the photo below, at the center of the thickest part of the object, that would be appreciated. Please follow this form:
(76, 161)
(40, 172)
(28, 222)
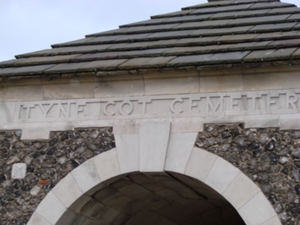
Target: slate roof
(222, 33)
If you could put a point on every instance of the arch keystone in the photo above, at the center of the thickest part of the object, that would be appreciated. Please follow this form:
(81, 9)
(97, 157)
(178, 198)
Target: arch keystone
(154, 138)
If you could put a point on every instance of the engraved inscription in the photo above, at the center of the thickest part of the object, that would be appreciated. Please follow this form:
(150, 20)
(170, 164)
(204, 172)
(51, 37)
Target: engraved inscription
(209, 104)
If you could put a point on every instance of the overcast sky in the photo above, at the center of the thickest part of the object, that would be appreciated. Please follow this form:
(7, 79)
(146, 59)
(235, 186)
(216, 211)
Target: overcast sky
(32, 25)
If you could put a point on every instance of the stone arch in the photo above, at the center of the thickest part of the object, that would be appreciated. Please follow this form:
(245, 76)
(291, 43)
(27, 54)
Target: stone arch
(74, 190)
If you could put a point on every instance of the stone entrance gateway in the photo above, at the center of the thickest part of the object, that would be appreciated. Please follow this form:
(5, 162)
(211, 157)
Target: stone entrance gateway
(191, 117)
(195, 188)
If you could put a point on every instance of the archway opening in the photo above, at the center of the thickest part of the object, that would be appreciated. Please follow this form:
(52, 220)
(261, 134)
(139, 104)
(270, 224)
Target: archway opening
(152, 199)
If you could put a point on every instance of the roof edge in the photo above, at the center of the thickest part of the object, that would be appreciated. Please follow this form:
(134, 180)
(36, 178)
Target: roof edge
(142, 70)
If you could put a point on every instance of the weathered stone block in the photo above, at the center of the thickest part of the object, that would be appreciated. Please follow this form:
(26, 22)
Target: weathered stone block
(18, 171)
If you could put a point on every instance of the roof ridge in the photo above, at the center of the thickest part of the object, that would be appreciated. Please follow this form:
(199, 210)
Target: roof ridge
(242, 0)
(227, 2)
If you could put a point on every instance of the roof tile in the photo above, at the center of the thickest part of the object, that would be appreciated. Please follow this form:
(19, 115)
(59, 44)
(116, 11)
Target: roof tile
(195, 40)
(206, 24)
(150, 28)
(107, 33)
(265, 55)
(171, 34)
(238, 14)
(222, 9)
(236, 38)
(67, 50)
(76, 42)
(259, 20)
(31, 54)
(102, 39)
(102, 65)
(297, 27)
(191, 60)
(285, 43)
(249, 46)
(270, 5)
(42, 60)
(132, 46)
(145, 22)
(222, 31)
(116, 38)
(284, 10)
(187, 18)
(278, 35)
(228, 57)
(273, 27)
(95, 56)
(32, 70)
(296, 54)
(295, 17)
(141, 53)
(178, 13)
(195, 50)
(146, 62)
(7, 62)
(132, 37)
(66, 67)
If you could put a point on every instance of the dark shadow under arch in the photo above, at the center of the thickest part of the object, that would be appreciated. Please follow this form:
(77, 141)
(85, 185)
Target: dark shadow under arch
(153, 198)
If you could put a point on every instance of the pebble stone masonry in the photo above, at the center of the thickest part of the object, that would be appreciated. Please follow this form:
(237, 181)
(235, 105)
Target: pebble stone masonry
(30, 169)
(189, 118)
(268, 156)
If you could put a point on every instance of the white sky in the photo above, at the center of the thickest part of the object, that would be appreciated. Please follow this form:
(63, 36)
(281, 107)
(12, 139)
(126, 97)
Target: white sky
(32, 25)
